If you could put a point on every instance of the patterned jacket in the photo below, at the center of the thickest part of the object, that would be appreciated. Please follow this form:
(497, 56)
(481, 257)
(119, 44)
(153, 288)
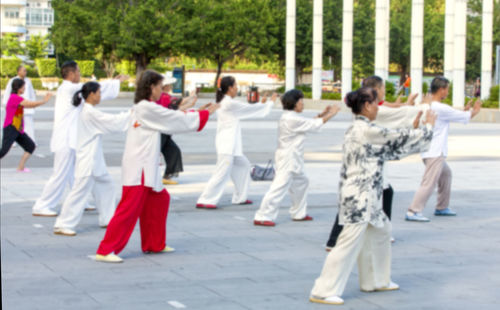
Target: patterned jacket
(366, 147)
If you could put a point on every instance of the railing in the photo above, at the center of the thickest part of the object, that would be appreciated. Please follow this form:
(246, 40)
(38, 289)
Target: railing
(14, 22)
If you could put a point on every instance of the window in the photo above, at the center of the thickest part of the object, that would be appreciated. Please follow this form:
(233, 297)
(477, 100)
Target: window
(49, 4)
(11, 12)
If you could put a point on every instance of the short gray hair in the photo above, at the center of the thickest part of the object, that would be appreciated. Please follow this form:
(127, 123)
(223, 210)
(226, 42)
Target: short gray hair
(439, 82)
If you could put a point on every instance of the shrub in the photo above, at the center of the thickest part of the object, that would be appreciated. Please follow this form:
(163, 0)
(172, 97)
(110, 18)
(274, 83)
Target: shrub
(46, 67)
(390, 90)
(425, 88)
(331, 96)
(126, 67)
(9, 66)
(207, 90)
(124, 86)
(86, 67)
(32, 72)
(494, 93)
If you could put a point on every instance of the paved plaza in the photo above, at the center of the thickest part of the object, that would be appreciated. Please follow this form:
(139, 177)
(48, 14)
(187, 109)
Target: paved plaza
(222, 261)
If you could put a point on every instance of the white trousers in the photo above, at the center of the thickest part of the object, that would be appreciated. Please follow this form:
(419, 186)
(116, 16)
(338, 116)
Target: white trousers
(235, 167)
(62, 175)
(29, 126)
(104, 192)
(296, 184)
(370, 246)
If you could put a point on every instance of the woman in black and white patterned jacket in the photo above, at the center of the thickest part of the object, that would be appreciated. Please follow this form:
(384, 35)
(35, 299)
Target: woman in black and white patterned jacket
(367, 230)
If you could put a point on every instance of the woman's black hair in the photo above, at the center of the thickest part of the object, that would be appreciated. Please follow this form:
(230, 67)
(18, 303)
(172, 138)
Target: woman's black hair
(17, 84)
(147, 79)
(225, 83)
(87, 89)
(67, 67)
(356, 99)
(290, 98)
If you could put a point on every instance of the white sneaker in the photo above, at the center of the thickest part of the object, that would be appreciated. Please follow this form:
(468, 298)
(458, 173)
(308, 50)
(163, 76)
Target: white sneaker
(47, 213)
(64, 231)
(332, 300)
(110, 258)
(391, 287)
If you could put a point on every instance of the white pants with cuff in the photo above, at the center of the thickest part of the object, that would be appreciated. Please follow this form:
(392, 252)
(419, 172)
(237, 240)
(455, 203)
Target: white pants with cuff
(370, 246)
(294, 183)
(102, 189)
(235, 167)
(62, 175)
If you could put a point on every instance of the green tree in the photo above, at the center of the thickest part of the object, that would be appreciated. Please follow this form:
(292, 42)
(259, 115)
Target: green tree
(36, 46)
(220, 30)
(11, 46)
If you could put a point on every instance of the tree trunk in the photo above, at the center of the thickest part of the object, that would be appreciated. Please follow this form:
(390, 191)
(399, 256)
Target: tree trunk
(141, 63)
(109, 67)
(219, 70)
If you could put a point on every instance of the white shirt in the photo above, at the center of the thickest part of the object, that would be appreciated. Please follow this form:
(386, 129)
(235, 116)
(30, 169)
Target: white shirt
(92, 124)
(292, 134)
(231, 111)
(445, 115)
(29, 94)
(402, 117)
(142, 147)
(64, 132)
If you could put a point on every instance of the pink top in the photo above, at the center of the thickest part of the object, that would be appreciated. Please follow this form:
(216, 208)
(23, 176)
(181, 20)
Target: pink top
(14, 113)
(165, 100)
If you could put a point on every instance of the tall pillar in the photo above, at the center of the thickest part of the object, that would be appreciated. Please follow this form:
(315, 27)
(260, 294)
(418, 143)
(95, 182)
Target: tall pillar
(347, 21)
(417, 45)
(459, 48)
(387, 38)
(290, 44)
(317, 49)
(380, 37)
(449, 38)
(487, 48)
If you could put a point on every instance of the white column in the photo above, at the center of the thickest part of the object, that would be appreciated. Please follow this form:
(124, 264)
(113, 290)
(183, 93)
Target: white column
(387, 38)
(347, 21)
(317, 49)
(380, 37)
(487, 48)
(417, 45)
(459, 48)
(449, 38)
(290, 44)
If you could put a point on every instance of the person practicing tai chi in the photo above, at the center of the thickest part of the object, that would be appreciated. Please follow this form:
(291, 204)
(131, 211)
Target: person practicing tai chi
(64, 136)
(169, 149)
(366, 235)
(231, 163)
(289, 159)
(143, 195)
(437, 172)
(13, 126)
(392, 116)
(29, 94)
(91, 175)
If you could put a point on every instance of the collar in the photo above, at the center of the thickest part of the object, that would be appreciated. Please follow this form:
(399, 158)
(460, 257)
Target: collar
(362, 118)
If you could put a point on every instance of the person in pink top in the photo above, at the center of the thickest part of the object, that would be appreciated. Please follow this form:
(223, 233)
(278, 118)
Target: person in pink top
(13, 127)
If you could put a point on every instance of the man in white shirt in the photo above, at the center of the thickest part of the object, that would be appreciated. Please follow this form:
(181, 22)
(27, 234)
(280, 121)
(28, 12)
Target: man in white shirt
(29, 94)
(437, 172)
(64, 136)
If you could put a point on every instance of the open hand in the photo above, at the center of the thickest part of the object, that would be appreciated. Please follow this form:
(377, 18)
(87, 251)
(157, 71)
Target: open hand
(468, 105)
(416, 122)
(411, 99)
(47, 97)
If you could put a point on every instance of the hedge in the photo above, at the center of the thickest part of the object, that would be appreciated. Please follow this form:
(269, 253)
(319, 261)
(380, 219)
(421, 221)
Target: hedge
(9, 66)
(37, 83)
(46, 67)
(126, 67)
(86, 67)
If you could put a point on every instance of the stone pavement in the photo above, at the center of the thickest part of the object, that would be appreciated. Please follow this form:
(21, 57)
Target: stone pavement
(224, 262)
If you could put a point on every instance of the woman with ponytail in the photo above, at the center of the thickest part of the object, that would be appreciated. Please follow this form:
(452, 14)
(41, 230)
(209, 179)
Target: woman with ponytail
(366, 235)
(91, 175)
(13, 126)
(144, 196)
(230, 159)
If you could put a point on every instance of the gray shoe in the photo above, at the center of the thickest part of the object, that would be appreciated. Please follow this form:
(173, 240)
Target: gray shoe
(445, 212)
(416, 217)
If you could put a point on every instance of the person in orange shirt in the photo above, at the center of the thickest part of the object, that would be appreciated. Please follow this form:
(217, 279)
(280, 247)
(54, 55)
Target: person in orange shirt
(407, 84)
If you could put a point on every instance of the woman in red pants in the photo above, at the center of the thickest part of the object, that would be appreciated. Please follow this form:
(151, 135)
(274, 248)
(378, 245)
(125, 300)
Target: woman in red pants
(143, 195)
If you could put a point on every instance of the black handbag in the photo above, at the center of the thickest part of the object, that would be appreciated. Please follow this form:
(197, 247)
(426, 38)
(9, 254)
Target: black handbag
(259, 173)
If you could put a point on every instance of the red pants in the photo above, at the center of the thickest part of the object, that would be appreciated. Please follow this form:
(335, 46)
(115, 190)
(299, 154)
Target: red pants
(138, 202)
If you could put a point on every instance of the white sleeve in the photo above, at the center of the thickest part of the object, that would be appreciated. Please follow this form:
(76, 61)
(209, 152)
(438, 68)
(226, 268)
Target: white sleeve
(30, 91)
(109, 89)
(109, 123)
(300, 125)
(243, 110)
(167, 121)
(6, 93)
(449, 114)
